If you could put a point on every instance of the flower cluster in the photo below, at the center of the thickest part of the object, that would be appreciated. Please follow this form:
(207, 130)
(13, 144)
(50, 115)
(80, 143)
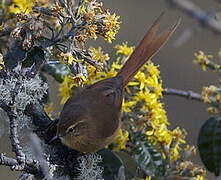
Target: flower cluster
(124, 49)
(97, 22)
(98, 54)
(121, 140)
(67, 58)
(65, 88)
(19, 6)
(205, 61)
(187, 167)
(210, 94)
(24, 6)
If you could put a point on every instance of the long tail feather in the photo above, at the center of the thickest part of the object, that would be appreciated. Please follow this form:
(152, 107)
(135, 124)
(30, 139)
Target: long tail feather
(146, 49)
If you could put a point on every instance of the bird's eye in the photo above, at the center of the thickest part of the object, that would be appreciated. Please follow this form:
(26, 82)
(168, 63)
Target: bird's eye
(70, 130)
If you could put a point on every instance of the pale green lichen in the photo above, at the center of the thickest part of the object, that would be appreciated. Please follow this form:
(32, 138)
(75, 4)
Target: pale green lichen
(89, 168)
(29, 90)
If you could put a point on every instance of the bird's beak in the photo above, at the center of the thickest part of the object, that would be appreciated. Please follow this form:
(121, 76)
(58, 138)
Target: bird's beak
(53, 139)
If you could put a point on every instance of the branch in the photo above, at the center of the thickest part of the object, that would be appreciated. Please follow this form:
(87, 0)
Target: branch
(26, 176)
(187, 94)
(199, 14)
(63, 157)
(22, 163)
(7, 161)
(31, 166)
(16, 148)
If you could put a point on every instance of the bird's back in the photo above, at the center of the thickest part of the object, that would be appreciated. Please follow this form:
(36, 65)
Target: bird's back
(102, 112)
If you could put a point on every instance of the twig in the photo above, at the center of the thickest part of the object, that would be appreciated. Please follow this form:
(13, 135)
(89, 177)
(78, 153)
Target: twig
(31, 166)
(26, 176)
(187, 94)
(199, 14)
(16, 148)
(22, 163)
(7, 161)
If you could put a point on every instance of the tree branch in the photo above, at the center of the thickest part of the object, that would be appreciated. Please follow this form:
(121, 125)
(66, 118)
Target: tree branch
(187, 94)
(199, 14)
(16, 148)
(7, 161)
(22, 163)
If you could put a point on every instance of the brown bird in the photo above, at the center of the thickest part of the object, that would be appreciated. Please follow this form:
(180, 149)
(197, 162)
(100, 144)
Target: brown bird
(90, 118)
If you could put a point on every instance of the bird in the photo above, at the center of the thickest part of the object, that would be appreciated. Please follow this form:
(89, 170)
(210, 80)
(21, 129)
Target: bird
(90, 118)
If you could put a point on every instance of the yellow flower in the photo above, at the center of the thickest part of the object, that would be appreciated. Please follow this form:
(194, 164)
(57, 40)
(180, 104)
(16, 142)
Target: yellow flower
(21, 6)
(65, 88)
(110, 36)
(133, 83)
(116, 66)
(124, 49)
(91, 71)
(175, 152)
(141, 77)
(158, 116)
(49, 108)
(150, 99)
(152, 69)
(91, 31)
(209, 93)
(98, 54)
(127, 105)
(79, 79)
(179, 135)
(111, 26)
(199, 177)
(153, 82)
(146, 178)
(68, 58)
(150, 79)
(202, 59)
(163, 135)
(213, 110)
(121, 140)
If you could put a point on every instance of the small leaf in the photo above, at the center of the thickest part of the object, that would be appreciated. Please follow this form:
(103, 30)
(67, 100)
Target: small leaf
(56, 71)
(209, 144)
(34, 56)
(148, 158)
(35, 59)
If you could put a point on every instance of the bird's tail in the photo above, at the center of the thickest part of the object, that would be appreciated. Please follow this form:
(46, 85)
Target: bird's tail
(146, 49)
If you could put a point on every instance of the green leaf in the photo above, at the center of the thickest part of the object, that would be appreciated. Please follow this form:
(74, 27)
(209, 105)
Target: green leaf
(209, 144)
(148, 158)
(34, 56)
(56, 71)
